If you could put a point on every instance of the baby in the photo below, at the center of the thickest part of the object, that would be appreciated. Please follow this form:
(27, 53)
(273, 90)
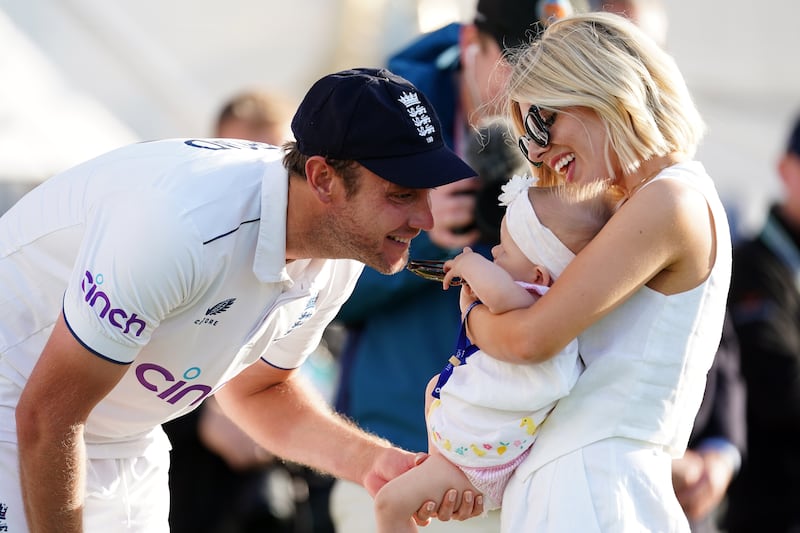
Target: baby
(482, 413)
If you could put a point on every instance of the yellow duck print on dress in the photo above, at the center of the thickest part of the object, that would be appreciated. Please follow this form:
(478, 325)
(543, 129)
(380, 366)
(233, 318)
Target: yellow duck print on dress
(477, 451)
(529, 425)
(438, 437)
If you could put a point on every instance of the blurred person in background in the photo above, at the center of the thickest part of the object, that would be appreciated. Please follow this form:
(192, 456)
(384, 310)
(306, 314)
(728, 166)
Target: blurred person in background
(398, 327)
(765, 305)
(649, 15)
(702, 476)
(718, 440)
(256, 115)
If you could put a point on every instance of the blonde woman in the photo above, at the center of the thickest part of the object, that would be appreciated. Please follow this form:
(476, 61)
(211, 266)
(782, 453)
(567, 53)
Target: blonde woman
(596, 99)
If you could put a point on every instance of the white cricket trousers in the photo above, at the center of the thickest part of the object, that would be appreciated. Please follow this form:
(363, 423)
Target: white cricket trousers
(122, 495)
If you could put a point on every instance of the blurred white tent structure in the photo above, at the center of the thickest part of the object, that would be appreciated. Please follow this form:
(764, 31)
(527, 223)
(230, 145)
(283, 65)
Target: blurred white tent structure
(45, 125)
(738, 59)
(80, 76)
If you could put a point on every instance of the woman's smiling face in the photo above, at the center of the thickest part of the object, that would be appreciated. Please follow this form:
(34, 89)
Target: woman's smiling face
(576, 151)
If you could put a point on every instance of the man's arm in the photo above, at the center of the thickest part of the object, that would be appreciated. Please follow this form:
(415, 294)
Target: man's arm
(283, 414)
(65, 385)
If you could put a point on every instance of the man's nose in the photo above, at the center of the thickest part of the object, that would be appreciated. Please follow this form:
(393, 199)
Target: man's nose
(421, 217)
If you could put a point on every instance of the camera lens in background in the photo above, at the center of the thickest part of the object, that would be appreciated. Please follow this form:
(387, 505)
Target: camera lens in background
(495, 158)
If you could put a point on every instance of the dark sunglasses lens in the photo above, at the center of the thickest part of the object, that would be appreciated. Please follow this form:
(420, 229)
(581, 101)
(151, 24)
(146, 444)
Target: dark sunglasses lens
(536, 129)
(523, 146)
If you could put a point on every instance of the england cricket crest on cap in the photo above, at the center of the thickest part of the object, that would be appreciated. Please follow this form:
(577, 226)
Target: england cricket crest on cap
(419, 115)
(382, 122)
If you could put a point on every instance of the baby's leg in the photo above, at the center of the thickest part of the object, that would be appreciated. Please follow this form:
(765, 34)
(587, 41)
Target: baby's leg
(398, 500)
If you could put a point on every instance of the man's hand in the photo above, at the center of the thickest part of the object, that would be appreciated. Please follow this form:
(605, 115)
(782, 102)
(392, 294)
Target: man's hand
(700, 481)
(388, 464)
(453, 209)
(471, 506)
(393, 462)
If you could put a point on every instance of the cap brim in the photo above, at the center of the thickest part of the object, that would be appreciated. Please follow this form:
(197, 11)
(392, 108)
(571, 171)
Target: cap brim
(423, 170)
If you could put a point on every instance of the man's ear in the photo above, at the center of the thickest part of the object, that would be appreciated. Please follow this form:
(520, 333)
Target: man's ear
(468, 42)
(320, 178)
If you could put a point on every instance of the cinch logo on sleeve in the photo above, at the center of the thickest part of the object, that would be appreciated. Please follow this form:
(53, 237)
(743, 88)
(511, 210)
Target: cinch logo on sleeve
(158, 379)
(101, 303)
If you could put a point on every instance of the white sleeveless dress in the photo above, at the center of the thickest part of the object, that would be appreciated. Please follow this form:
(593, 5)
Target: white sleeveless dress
(602, 460)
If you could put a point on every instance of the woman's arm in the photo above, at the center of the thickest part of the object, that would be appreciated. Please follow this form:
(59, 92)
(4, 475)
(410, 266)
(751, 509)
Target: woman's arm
(663, 236)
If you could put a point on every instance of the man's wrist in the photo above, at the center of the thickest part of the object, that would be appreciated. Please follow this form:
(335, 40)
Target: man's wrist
(723, 447)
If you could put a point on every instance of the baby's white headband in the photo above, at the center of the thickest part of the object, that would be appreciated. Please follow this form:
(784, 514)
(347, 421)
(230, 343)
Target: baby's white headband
(536, 241)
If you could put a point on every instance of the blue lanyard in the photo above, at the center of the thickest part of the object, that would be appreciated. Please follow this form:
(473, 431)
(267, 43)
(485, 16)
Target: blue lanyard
(464, 348)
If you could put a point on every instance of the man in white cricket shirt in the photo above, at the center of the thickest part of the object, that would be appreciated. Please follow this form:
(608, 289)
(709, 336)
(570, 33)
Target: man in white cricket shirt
(135, 285)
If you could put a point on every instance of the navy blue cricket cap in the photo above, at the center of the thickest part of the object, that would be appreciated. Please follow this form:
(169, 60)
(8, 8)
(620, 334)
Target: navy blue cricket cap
(383, 122)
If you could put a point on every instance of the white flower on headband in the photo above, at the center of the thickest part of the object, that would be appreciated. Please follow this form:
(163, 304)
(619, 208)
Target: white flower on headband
(516, 185)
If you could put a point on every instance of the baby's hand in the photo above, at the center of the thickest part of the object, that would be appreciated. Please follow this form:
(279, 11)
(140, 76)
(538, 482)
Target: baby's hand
(455, 266)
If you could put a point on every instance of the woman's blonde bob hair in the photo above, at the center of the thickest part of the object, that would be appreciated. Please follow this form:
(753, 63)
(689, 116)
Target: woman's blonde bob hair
(603, 62)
